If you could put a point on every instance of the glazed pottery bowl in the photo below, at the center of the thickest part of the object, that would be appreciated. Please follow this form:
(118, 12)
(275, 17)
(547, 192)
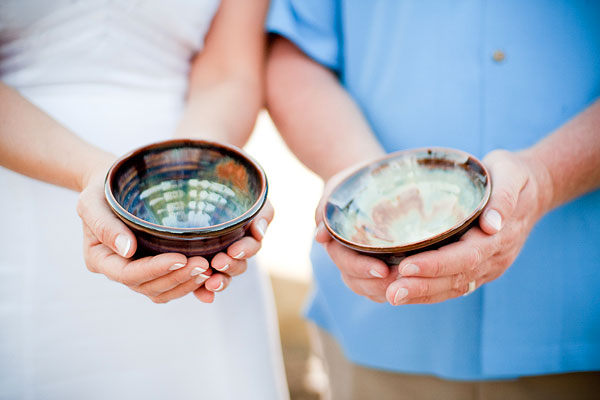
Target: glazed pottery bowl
(186, 196)
(407, 202)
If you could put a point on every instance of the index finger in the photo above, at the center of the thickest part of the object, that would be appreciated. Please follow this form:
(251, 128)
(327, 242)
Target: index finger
(465, 255)
(354, 264)
(104, 260)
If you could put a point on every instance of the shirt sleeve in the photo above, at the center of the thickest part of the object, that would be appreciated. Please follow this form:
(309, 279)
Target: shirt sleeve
(312, 25)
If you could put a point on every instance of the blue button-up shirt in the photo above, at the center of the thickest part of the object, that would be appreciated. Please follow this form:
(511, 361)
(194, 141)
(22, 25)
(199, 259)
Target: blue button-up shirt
(474, 75)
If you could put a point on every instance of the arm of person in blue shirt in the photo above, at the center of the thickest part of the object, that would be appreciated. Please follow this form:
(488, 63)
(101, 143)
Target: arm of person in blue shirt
(326, 130)
(225, 94)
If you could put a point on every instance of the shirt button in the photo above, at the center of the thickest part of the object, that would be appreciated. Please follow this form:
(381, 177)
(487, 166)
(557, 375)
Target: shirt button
(498, 56)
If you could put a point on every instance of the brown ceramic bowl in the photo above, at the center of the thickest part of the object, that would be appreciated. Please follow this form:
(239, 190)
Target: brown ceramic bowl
(186, 196)
(408, 202)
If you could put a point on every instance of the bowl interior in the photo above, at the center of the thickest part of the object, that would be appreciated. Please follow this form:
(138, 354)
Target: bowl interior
(187, 184)
(407, 198)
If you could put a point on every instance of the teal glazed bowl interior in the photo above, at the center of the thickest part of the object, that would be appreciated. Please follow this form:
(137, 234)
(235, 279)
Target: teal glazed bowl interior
(186, 196)
(407, 202)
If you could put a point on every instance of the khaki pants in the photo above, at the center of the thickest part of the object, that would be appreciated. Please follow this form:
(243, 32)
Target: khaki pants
(348, 381)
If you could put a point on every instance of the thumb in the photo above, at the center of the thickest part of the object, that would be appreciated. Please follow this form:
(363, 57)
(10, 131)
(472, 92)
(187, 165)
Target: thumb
(508, 178)
(99, 218)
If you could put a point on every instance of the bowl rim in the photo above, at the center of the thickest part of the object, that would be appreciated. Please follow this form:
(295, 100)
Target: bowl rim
(424, 242)
(157, 229)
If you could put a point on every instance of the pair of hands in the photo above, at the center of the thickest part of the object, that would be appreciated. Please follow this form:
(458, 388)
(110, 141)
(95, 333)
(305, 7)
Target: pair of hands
(108, 246)
(519, 198)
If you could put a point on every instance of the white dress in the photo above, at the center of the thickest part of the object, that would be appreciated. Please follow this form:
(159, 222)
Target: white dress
(114, 72)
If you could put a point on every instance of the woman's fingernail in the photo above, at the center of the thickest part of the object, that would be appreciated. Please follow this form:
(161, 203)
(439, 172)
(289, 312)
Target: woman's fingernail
(409, 269)
(197, 271)
(262, 227)
(375, 274)
(493, 218)
(225, 268)
(201, 278)
(217, 289)
(400, 294)
(176, 266)
(123, 244)
(240, 255)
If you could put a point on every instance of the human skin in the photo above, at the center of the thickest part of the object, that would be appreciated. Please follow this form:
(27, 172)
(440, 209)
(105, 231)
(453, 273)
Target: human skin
(225, 77)
(324, 128)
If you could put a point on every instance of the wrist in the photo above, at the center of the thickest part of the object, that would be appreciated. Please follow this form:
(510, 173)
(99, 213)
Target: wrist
(95, 170)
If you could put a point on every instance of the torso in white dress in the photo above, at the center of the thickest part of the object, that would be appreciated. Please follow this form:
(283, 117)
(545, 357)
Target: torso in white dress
(114, 72)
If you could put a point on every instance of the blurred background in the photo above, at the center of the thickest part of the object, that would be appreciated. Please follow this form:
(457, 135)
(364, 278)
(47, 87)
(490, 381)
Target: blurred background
(294, 192)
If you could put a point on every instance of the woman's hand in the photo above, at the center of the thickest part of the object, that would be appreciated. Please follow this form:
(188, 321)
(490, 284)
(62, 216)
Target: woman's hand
(108, 245)
(520, 196)
(233, 261)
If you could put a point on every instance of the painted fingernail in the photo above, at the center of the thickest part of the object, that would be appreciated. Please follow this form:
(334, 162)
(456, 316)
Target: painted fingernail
(409, 269)
(493, 218)
(217, 289)
(400, 294)
(176, 266)
(197, 271)
(261, 226)
(225, 268)
(375, 274)
(201, 278)
(240, 255)
(123, 244)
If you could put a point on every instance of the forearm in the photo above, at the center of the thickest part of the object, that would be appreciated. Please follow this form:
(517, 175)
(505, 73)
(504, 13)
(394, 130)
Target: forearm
(225, 110)
(317, 118)
(226, 78)
(33, 144)
(570, 158)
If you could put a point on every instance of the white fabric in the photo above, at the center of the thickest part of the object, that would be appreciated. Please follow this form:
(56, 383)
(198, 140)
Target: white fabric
(115, 73)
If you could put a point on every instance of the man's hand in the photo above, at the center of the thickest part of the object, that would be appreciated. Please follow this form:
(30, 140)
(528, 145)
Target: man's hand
(521, 191)
(366, 276)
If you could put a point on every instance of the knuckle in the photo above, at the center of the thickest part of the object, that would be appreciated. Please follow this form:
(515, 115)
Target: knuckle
(506, 199)
(460, 282)
(159, 299)
(150, 292)
(99, 228)
(438, 268)
(182, 276)
(376, 299)
(353, 284)
(80, 208)
(475, 258)
(125, 279)
(423, 287)
(91, 267)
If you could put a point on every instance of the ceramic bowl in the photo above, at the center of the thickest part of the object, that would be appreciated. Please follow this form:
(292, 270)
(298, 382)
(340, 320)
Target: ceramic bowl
(407, 202)
(186, 196)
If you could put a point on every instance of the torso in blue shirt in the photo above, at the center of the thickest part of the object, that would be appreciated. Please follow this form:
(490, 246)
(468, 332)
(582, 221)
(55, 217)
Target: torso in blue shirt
(424, 74)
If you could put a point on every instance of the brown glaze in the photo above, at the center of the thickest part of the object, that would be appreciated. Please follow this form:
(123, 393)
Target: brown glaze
(127, 173)
(386, 211)
(236, 174)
